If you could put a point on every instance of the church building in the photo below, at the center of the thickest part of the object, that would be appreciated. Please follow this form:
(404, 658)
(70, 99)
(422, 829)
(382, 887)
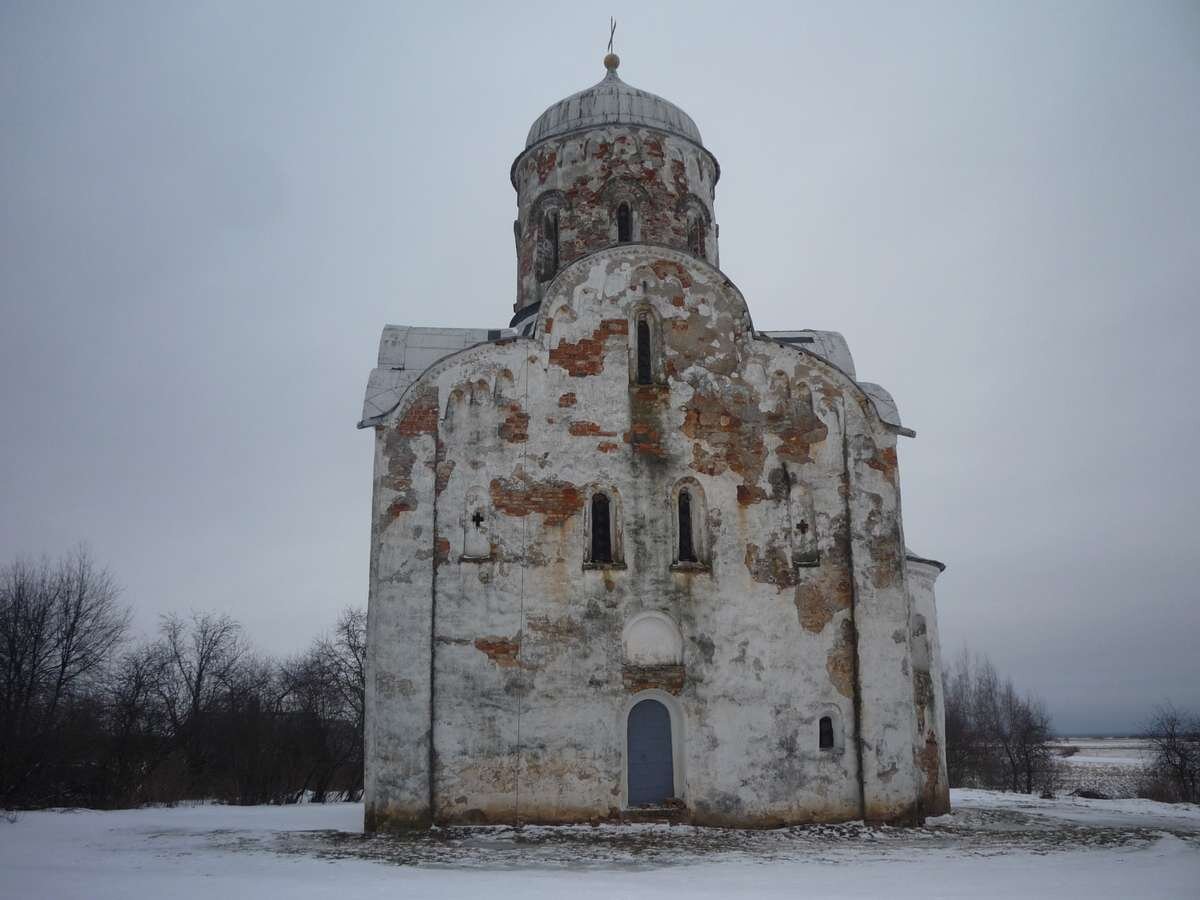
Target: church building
(631, 557)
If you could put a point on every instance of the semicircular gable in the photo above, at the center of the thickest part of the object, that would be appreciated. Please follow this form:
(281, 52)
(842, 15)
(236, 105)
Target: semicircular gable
(475, 353)
(704, 320)
(596, 294)
(604, 276)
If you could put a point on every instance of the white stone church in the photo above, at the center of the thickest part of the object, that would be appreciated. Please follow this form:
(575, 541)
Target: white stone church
(632, 557)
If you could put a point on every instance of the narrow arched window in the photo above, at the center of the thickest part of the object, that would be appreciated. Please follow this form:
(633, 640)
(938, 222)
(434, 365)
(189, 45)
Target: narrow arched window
(687, 545)
(825, 733)
(645, 368)
(552, 237)
(624, 224)
(696, 235)
(601, 530)
(547, 246)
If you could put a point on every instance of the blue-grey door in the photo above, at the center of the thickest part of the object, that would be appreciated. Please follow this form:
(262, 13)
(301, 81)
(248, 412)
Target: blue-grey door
(651, 770)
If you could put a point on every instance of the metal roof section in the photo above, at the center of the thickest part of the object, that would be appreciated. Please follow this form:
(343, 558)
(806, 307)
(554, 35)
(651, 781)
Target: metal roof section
(829, 345)
(832, 347)
(405, 352)
(924, 560)
(612, 101)
(885, 407)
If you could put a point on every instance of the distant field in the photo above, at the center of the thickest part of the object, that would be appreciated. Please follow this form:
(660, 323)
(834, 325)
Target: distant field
(1112, 766)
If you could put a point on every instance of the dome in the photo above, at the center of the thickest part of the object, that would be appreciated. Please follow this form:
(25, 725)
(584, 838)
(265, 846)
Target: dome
(612, 100)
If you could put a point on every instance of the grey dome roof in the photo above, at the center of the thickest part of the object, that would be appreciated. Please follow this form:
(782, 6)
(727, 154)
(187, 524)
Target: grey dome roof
(612, 100)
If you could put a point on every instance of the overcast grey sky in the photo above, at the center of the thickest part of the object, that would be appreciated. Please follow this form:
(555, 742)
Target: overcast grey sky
(209, 210)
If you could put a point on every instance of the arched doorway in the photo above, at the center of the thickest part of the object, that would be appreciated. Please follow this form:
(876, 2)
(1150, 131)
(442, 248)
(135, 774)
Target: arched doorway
(651, 769)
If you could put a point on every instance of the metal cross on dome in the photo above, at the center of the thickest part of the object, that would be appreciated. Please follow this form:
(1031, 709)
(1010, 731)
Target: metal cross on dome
(612, 30)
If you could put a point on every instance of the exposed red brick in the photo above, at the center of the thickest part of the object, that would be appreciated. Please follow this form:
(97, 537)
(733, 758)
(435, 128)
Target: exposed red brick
(771, 565)
(679, 176)
(586, 356)
(567, 400)
(607, 447)
(420, 418)
(727, 430)
(563, 628)
(885, 461)
(748, 494)
(580, 428)
(667, 678)
(545, 161)
(667, 267)
(515, 427)
(644, 438)
(827, 592)
(521, 495)
(502, 651)
(797, 425)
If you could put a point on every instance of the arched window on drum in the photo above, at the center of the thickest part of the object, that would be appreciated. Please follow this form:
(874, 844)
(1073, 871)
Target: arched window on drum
(690, 531)
(604, 538)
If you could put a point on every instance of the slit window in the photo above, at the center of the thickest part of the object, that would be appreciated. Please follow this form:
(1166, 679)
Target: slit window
(645, 371)
(696, 236)
(624, 224)
(825, 733)
(547, 246)
(687, 546)
(601, 529)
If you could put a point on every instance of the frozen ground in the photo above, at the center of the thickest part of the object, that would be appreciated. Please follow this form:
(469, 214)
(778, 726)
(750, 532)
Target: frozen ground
(1114, 767)
(993, 845)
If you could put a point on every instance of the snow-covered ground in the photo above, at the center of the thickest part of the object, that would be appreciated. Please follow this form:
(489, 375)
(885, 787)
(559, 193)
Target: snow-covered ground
(992, 845)
(1114, 767)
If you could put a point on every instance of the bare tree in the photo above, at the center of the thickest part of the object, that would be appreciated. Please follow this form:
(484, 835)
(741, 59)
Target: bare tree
(194, 660)
(347, 660)
(995, 737)
(1174, 738)
(1022, 732)
(59, 625)
(134, 726)
(326, 689)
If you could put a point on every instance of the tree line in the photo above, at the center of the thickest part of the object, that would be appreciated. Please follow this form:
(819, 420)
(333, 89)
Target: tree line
(1001, 739)
(90, 718)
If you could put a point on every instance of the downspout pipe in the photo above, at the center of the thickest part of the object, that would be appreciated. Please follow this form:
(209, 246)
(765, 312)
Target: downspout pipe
(858, 735)
(433, 593)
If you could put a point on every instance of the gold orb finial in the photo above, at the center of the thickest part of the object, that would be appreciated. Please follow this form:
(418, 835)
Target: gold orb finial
(611, 61)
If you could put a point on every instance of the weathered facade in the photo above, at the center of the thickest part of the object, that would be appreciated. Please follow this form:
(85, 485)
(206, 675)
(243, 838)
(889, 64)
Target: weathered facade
(631, 554)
